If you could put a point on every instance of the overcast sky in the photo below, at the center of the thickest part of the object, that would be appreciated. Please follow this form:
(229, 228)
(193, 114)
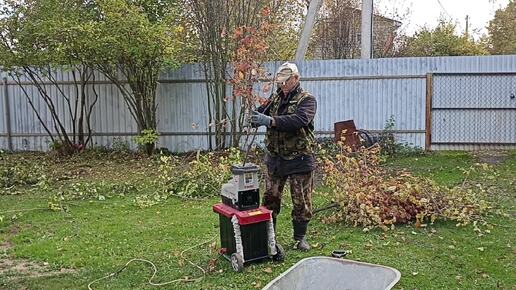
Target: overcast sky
(418, 13)
(427, 12)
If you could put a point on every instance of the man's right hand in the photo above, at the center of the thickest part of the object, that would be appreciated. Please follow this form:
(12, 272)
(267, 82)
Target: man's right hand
(258, 119)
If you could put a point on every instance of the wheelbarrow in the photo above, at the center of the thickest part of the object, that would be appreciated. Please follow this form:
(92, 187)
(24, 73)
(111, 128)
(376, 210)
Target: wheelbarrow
(318, 273)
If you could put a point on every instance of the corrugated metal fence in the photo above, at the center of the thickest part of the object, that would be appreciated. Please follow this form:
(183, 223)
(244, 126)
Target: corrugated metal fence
(472, 111)
(474, 90)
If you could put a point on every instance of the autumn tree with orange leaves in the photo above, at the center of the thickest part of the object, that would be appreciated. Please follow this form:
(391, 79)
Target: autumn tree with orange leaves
(251, 51)
(231, 40)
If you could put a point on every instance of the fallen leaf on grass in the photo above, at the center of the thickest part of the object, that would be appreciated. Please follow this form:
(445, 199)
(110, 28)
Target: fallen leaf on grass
(212, 265)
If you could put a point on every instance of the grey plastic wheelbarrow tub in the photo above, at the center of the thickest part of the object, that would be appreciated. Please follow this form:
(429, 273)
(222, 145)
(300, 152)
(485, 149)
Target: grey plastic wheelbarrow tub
(335, 274)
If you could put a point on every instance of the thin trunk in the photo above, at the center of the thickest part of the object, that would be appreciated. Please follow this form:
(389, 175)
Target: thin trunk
(29, 100)
(81, 94)
(92, 104)
(209, 100)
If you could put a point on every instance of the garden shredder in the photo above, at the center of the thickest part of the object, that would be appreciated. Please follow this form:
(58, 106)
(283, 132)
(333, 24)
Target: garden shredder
(246, 228)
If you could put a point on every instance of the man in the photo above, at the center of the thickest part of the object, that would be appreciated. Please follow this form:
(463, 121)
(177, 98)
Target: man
(289, 118)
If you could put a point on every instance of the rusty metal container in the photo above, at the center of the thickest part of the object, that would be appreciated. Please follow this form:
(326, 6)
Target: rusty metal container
(348, 130)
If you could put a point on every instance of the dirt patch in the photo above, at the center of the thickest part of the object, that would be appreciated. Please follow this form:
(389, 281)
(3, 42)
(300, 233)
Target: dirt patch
(15, 269)
(14, 230)
(4, 246)
(76, 173)
(492, 157)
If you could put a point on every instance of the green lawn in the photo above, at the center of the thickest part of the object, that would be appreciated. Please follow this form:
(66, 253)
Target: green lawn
(67, 250)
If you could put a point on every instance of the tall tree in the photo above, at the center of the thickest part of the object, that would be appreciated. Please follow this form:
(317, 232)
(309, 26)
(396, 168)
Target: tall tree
(129, 41)
(40, 41)
(251, 51)
(441, 41)
(502, 30)
(286, 28)
(213, 23)
(338, 29)
(136, 40)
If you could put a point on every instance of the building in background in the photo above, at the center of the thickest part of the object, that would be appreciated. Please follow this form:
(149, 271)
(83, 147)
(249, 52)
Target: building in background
(337, 35)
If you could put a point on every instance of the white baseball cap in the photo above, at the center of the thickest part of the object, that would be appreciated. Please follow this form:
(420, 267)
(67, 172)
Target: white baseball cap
(285, 71)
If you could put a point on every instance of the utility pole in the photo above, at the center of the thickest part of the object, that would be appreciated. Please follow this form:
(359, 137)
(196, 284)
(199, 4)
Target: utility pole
(367, 29)
(313, 8)
(467, 25)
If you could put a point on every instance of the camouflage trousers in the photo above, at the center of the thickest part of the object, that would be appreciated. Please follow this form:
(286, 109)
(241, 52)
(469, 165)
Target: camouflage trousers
(301, 187)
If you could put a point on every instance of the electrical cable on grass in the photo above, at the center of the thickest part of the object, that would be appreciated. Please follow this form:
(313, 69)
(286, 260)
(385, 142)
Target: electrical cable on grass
(24, 210)
(330, 206)
(155, 269)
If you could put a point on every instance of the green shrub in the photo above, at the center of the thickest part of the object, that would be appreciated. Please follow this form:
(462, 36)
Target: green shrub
(391, 147)
(21, 173)
(120, 146)
(201, 177)
(147, 139)
(89, 191)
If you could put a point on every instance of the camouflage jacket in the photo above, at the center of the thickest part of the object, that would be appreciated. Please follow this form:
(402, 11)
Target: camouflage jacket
(290, 142)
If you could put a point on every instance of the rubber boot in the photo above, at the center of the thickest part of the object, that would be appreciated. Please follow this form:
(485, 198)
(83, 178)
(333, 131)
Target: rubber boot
(299, 235)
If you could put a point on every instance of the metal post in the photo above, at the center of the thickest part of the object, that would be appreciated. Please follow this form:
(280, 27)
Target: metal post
(307, 30)
(367, 29)
(7, 114)
(428, 114)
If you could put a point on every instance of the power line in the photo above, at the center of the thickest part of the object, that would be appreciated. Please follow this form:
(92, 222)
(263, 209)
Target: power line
(444, 9)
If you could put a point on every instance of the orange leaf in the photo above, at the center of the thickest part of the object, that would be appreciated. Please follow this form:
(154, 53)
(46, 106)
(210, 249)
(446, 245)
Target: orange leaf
(263, 101)
(265, 11)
